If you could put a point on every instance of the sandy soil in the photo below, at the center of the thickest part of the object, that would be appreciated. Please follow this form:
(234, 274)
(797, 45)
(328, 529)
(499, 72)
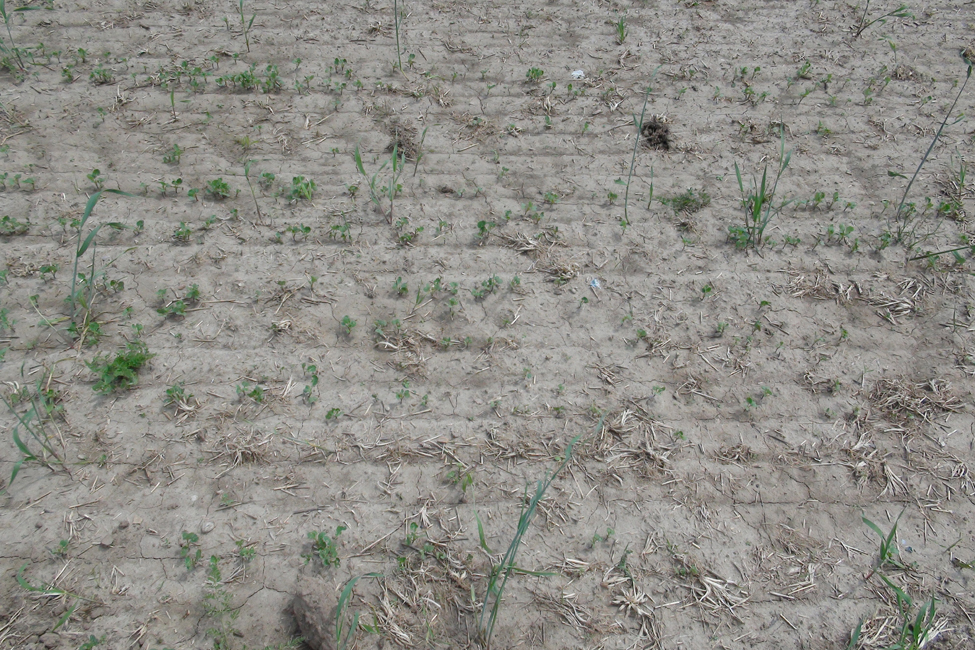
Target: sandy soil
(327, 358)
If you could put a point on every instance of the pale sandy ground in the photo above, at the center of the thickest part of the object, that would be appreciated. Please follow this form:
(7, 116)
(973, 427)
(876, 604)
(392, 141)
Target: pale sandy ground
(756, 404)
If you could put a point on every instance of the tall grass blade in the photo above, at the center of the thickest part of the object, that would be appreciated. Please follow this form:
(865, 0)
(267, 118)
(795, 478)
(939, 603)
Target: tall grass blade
(501, 572)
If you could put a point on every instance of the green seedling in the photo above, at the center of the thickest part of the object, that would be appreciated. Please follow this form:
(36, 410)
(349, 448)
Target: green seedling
(6, 49)
(255, 392)
(96, 179)
(759, 203)
(189, 550)
(42, 405)
(121, 371)
(888, 554)
(245, 25)
(500, 573)
(301, 189)
(50, 591)
(10, 226)
(82, 299)
(904, 213)
(172, 157)
(217, 189)
(345, 629)
(900, 12)
(380, 190)
(312, 371)
(325, 547)
(534, 75)
(348, 324)
(620, 27)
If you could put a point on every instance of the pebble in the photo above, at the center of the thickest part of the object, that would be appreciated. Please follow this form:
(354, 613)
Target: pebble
(206, 527)
(51, 640)
(106, 541)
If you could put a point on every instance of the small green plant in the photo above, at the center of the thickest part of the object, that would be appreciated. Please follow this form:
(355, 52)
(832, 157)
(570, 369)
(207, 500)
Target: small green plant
(500, 573)
(121, 371)
(379, 189)
(534, 75)
(324, 547)
(307, 394)
(461, 477)
(256, 392)
(301, 189)
(182, 233)
(690, 201)
(620, 27)
(217, 189)
(888, 554)
(173, 155)
(900, 12)
(348, 324)
(10, 226)
(484, 229)
(189, 550)
(6, 49)
(245, 25)
(759, 203)
(96, 179)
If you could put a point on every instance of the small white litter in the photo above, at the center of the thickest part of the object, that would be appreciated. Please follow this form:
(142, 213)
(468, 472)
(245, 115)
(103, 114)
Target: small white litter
(578, 74)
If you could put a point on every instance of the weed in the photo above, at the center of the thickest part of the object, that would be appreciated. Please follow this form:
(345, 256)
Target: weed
(255, 392)
(345, 629)
(245, 27)
(217, 189)
(758, 202)
(10, 226)
(173, 155)
(325, 547)
(905, 212)
(498, 578)
(900, 12)
(182, 233)
(301, 189)
(388, 189)
(534, 75)
(348, 324)
(12, 48)
(625, 222)
(620, 27)
(42, 405)
(888, 554)
(49, 591)
(690, 201)
(217, 603)
(80, 299)
(121, 371)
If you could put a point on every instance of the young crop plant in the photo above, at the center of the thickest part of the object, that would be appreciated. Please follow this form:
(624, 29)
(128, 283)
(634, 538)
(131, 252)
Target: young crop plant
(534, 75)
(324, 547)
(217, 189)
(759, 203)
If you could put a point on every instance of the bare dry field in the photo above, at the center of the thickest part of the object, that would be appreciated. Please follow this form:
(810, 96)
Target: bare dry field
(461, 324)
